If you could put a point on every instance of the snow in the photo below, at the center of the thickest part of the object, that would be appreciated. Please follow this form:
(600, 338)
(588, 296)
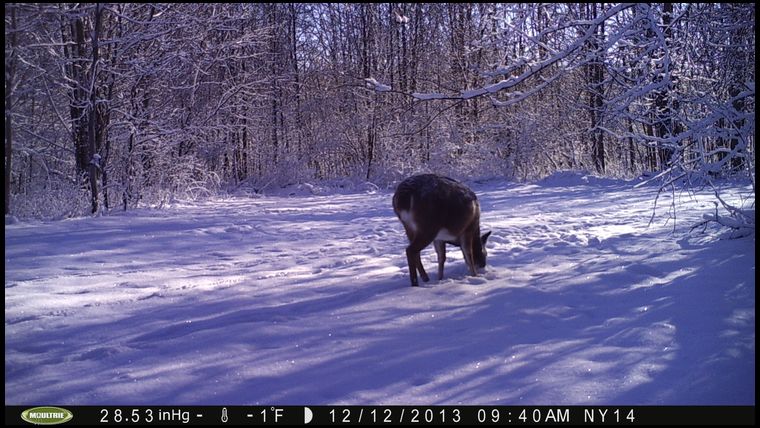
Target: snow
(429, 96)
(372, 83)
(472, 93)
(306, 300)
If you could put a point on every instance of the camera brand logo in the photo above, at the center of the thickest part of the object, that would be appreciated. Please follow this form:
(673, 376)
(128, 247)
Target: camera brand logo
(46, 415)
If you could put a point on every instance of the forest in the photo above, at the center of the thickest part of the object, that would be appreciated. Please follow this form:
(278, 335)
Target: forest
(119, 105)
(199, 205)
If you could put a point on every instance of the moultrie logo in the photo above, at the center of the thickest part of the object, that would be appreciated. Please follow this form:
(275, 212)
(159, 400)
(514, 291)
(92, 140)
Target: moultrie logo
(46, 415)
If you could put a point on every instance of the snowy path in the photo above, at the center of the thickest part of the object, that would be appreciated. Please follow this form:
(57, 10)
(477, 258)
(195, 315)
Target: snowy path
(305, 300)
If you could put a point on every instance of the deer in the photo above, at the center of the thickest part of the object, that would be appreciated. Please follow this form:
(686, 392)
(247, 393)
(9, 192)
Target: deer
(441, 210)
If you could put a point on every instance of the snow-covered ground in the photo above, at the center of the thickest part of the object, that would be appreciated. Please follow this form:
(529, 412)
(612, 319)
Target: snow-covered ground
(306, 300)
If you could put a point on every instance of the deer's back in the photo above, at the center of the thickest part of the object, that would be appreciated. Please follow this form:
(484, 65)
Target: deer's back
(436, 201)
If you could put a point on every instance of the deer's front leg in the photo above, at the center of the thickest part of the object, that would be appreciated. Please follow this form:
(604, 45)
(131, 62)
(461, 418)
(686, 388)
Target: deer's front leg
(440, 249)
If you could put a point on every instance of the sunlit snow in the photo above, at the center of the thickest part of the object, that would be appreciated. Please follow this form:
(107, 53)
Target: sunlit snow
(306, 300)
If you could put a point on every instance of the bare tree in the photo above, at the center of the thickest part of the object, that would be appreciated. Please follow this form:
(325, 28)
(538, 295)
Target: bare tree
(128, 104)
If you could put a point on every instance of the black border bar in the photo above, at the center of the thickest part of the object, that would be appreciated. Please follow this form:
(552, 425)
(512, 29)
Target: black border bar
(397, 415)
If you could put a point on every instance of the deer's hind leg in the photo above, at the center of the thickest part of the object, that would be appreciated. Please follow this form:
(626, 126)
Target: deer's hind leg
(420, 241)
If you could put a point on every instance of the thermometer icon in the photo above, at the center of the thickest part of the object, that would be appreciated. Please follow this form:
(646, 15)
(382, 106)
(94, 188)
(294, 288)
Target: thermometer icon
(224, 415)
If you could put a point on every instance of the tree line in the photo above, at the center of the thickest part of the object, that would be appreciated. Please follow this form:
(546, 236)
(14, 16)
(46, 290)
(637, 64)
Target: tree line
(115, 104)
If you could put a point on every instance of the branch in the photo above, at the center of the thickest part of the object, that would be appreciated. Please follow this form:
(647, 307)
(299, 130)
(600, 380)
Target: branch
(532, 70)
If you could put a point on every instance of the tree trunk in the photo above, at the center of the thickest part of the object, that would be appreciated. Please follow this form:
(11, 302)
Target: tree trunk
(94, 163)
(596, 100)
(77, 97)
(10, 74)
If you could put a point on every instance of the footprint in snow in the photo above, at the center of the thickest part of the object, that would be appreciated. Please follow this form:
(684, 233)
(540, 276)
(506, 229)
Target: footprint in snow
(476, 280)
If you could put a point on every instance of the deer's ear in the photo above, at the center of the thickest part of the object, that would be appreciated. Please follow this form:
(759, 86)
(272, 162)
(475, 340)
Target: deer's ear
(484, 238)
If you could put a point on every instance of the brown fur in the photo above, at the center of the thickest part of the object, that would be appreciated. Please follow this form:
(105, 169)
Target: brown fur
(434, 203)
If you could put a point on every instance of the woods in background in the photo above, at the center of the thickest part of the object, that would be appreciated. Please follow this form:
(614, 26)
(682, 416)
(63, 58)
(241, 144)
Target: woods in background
(117, 105)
